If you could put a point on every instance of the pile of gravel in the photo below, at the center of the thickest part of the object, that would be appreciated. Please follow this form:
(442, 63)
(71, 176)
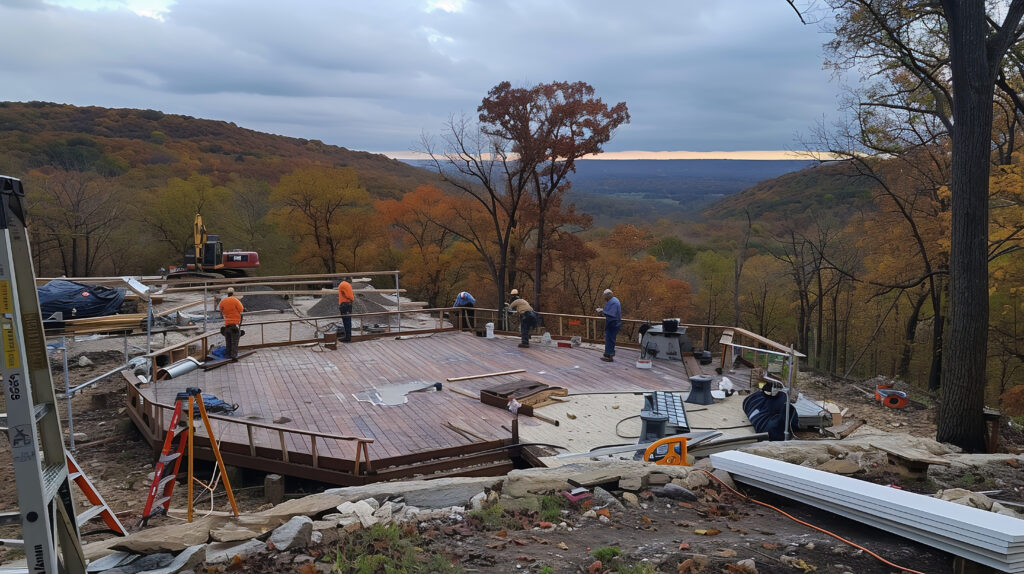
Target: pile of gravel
(364, 303)
(264, 302)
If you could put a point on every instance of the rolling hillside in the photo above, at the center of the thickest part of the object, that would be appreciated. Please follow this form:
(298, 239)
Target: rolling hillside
(157, 146)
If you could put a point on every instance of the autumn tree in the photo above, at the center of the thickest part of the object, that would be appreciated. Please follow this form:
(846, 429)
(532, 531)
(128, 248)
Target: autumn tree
(326, 212)
(434, 261)
(547, 127)
(169, 212)
(77, 212)
(956, 52)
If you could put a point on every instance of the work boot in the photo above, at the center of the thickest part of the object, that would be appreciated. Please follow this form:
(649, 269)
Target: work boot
(524, 345)
(606, 358)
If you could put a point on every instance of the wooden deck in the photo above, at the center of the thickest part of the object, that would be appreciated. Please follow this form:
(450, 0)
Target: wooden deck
(306, 387)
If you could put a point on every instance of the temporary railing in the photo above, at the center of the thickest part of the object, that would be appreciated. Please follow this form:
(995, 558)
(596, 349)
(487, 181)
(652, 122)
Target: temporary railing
(153, 416)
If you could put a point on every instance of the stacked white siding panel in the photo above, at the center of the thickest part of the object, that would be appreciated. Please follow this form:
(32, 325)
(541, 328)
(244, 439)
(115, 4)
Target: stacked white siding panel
(985, 537)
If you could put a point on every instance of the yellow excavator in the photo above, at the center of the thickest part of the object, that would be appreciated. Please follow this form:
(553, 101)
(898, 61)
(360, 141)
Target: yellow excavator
(206, 256)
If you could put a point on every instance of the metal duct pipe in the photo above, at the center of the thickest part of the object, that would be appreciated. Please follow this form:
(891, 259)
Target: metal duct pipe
(186, 365)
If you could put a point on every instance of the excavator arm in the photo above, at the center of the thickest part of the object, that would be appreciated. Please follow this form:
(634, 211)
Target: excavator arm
(199, 241)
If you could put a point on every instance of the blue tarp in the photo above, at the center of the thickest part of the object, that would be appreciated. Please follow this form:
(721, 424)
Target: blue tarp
(768, 413)
(78, 301)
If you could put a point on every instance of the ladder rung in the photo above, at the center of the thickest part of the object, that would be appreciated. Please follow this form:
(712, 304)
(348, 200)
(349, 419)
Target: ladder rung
(53, 477)
(74, 475)
(40, 410)
(91, 513)
(10, 517)
(169, 457)
(163, 481)
(180, 429)
(158, 505)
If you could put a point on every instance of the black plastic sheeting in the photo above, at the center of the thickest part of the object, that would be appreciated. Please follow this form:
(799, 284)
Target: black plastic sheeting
(768, 413)
(78, 301)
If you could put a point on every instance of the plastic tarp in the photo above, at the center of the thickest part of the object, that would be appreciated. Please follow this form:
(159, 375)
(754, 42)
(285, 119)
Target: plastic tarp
(78, 301)
(768, 413)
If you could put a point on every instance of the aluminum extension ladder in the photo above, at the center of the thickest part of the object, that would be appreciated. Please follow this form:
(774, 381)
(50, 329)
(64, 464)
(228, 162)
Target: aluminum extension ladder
(48, 521)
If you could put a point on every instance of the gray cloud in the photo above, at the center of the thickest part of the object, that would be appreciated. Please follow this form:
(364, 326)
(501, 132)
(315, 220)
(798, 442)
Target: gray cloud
(697, 75)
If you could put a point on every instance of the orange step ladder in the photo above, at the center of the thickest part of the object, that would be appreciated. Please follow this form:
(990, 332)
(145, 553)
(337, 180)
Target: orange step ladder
(99, 506)
(159, 499)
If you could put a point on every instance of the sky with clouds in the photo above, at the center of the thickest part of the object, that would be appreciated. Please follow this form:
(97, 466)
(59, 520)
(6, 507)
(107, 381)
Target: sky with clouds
(697, 75)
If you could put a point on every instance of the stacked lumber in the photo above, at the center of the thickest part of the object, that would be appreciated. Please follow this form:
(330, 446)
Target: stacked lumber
(984, 537)
(107, 323)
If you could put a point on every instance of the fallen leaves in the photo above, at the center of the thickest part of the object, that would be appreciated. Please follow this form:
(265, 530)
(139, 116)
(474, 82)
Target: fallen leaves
(726, 553)
(595, 567)
(707, 531)
(684, 545)
(563, 545)
(797, 563)
(603, 512)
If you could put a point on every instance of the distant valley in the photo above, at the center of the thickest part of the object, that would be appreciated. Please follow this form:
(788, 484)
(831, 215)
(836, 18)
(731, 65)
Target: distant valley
(614, 191)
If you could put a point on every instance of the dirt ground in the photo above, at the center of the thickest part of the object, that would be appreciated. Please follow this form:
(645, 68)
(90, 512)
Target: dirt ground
(658, 536)
(712, 534)
(109, 450)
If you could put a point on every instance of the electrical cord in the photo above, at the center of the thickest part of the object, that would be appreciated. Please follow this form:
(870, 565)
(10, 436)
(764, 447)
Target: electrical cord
(809, 525)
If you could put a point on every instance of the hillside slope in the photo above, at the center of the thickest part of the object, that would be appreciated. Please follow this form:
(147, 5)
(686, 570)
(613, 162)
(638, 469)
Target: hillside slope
(830, 189)
(113, 142)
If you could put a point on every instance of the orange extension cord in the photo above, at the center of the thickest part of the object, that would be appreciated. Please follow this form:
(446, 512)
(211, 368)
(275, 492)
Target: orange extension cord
(809, 525)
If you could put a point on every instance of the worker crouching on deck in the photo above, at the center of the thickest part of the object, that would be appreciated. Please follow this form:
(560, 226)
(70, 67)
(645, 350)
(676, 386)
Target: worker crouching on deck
(231, 308)
(465, 302)
(528, 318)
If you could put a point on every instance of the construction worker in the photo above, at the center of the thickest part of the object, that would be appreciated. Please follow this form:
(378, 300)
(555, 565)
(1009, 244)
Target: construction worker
(612, 312)
(467, 316)
(231, 308)
(345, 299)
(528, 318)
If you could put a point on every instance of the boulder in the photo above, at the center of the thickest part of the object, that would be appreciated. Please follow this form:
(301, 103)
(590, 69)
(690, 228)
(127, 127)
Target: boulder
(151, 562)
(188, 559)
(311, 505)
(296, 533)
(362, 510)
(965, 498)
(520, 483)
(674, 491)
(384, 513)
(440, 493)
(477, 502)
(225, 552)
(725, 477)
(630, 499)
(839, 466)
(173, 538)
(604, 498)
(245, 527)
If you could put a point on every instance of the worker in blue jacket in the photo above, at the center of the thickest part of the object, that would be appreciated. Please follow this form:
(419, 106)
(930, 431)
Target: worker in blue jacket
(612, 312)
(467, 316)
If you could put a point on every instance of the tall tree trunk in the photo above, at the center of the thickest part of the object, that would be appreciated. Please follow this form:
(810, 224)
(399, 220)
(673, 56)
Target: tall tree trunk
(961, 416)
(902, 370)
(938, 329)
(538, 271)
(818, 332)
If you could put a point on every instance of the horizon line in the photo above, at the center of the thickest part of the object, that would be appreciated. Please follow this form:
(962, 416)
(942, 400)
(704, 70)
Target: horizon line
(755, 155)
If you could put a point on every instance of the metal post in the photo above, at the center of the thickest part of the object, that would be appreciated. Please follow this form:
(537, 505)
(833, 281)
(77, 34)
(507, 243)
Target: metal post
(68, 393)
(149, 331)
(205, 284)
(789, 390)
(398, 303)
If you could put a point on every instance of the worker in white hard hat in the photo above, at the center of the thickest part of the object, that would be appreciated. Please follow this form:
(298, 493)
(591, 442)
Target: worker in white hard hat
(465, 302)
(528, 318)
(612, 312)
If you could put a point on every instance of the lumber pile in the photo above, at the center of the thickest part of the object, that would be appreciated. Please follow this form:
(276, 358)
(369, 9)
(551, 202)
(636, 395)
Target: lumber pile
(106, 323)
(984, 537)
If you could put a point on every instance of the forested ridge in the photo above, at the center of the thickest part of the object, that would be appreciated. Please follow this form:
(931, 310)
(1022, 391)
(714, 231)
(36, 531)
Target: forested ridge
(822, 258)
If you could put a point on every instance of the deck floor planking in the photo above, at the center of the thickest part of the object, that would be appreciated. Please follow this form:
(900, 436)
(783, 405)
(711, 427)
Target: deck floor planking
(314, 389)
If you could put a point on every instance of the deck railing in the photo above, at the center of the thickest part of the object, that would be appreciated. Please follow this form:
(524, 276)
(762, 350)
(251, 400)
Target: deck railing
(154, 416)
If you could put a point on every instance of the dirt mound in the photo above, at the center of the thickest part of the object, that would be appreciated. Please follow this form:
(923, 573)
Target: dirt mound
(265, 302)
(364, 303)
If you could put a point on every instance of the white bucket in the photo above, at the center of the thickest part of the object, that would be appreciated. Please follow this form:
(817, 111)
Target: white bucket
(490, 330)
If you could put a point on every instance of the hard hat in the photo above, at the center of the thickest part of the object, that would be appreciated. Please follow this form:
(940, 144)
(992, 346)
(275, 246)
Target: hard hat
(231, 290)
(514, 292)
(607, 291)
